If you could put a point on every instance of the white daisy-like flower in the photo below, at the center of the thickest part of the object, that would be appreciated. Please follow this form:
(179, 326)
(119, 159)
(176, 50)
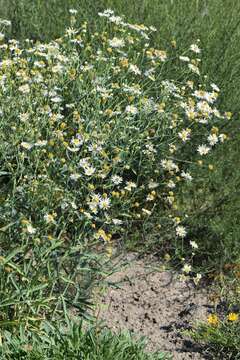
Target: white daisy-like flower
(71, 32)
(24, 89)
(194, 245)
(75, 176)
(116, 19)
(77, 142)
(89, 170)
(96, 198)
(184, 58)
(117, 180)
(197, 278)
(24, 117)
(152, 28)
(26, 145)
(203, 149)
(150, 197)
(130, 109)
(73, 11)
(186, 268)
(222, 137)
(186, 176)
(105, 203)
(212, 139)
(106, 13)
(117, 222)
(130, 185)
(84, 162)
(56, 99)
(203, 120)
(171, 184)
(41, 143)
(181, 231)
(153, 185)
(205, 95)
(146, 212)
(185, 134)
(95, 148)
(116, 42)
(31, 230)
(58, 69)
(216, 112)
(169, 165)
(204, 107)
(195, 48)
(5, 22)
(135, 69)
(194, 69)
(93, 207)
(215, 87)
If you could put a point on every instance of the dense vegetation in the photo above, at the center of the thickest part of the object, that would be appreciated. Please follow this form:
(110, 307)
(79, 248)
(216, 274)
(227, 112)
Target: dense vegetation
(113, 132)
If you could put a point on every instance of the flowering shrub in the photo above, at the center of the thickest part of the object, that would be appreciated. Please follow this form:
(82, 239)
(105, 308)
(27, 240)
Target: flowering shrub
(95, 143)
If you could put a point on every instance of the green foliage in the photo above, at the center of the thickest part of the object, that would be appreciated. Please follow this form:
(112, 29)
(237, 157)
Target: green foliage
(75, 343)
(221, 340)
(212, 202)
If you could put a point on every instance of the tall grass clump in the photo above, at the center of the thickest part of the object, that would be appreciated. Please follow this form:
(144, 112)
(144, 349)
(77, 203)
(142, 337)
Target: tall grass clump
(75, 343)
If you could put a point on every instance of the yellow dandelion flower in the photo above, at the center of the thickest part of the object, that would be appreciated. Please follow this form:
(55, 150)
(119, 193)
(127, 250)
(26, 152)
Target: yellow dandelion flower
(213, 319)
(232, 317)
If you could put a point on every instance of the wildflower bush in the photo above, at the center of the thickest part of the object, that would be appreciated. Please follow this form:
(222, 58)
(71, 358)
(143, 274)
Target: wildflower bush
(96, 143)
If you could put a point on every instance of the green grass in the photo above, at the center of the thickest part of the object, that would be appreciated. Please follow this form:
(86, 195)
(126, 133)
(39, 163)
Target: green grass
(75, 343)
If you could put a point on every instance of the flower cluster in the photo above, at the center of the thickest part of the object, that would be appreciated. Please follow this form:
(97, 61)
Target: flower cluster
(214, 320)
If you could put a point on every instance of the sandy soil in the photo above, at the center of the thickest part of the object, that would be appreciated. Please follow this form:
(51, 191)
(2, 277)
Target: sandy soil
(154, 304)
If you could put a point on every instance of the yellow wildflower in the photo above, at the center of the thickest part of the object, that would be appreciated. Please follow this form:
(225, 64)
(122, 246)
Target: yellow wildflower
(232, 317)
(213, 319)
(124, 62)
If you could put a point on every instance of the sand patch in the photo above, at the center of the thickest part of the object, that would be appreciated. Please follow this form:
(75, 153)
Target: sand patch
(154, 303)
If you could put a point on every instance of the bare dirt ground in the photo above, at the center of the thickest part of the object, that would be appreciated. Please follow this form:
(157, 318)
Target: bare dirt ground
(155, 304)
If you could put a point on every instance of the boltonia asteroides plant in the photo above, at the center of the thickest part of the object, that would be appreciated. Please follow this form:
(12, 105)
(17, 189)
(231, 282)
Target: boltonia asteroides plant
(95, 142)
